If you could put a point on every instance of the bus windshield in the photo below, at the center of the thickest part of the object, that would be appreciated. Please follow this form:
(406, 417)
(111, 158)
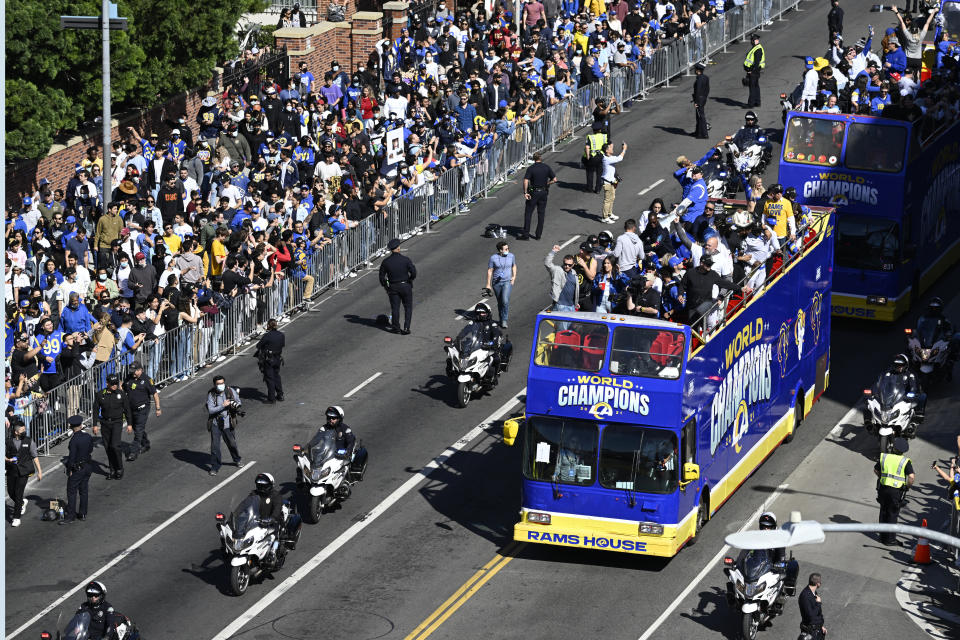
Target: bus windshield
(645, 352)
(560, 450)
(638, 459)
(571, 345)
(871, 147)
(813, 141)
(867, 243)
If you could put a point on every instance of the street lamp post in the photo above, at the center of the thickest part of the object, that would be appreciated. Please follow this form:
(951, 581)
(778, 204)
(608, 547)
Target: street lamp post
(107, 21)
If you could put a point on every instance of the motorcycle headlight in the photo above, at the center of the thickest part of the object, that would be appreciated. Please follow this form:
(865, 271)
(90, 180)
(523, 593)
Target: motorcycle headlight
(325, 473)
(239, 545)
(935, 352)
(315, 474)
(925, 354)
(894, 414)
(756, 589)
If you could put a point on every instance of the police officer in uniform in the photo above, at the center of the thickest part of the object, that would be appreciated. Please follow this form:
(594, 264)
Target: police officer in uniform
(701, 91)
(270, 358)
(536, 182)
(78, 468)
(345, 438)
(811, 610)
(140, 389)
(99, 609)
(895, 471)
(593, 157)
(753, 64)
(111, 408)
(397, 274)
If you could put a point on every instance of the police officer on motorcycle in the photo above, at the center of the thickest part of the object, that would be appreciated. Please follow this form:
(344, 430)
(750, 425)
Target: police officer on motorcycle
(490, 336)
(934, 314)
(749, 134)
(901, 368)
(99, 609)
(768, 522)
(345, 438)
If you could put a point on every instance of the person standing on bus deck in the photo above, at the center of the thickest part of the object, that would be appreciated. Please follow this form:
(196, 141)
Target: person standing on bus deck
(776, 206)
(593, 157)
(501, 276)
(397, 274)
(536, 183)
(753, 64)
(609, 177)
(701, 91)
(895, 471)
(835, 21)
(563, 281)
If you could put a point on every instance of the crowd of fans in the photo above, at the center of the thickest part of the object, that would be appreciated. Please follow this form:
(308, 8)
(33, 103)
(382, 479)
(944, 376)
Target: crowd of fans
(854, 78)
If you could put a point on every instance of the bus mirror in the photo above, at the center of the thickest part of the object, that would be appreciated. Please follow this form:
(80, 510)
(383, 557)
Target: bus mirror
(511, 428)
(691, 472)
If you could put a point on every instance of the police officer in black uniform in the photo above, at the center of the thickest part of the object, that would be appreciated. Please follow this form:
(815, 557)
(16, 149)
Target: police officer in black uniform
(345, 438)
(270, 359)
(140, 389)
(536, 183)
(397, 274)
(78, 468)
(99, 609)
(811, 610)
(701, 91)
(111, 409)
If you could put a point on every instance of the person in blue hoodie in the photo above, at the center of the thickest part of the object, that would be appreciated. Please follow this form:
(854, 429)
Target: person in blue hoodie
(894, 60)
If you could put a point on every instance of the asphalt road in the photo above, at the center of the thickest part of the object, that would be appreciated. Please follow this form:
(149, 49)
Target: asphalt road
(403, 543)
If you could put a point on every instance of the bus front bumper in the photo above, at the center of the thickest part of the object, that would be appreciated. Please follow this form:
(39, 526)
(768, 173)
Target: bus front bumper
(603, 535)
(878, 308)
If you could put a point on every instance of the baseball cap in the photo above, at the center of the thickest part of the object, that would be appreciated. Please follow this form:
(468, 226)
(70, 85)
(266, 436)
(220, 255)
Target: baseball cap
(809, 62)
(27, 201)
(71, 219)
(675, 261)
(139, 256)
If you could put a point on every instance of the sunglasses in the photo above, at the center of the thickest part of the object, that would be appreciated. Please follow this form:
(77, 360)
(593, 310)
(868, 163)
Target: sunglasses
(568, 264)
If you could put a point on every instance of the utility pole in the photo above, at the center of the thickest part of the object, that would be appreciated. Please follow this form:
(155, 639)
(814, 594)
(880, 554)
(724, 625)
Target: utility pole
(106, 22)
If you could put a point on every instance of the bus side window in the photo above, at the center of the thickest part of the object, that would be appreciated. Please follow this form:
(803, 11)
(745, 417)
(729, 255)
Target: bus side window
(689, 444)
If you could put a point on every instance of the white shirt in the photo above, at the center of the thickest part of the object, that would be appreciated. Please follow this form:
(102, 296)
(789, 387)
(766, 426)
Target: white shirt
(326, 171)
(396, 107)
(810, 80)
(609, 171)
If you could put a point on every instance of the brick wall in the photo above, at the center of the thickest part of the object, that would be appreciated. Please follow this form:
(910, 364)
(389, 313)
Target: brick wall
(397, 12)
(348, 43)
(58, 166)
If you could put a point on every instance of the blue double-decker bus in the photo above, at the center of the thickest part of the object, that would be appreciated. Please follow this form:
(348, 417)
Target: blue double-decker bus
(637, 430)
(896, 189)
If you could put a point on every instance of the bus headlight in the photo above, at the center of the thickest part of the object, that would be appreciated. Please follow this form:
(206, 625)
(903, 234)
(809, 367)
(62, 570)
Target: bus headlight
(538, 517)
(880, 300)
(651, 528)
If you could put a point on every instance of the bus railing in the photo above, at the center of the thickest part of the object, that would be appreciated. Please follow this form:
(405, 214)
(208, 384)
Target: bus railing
(185, 351)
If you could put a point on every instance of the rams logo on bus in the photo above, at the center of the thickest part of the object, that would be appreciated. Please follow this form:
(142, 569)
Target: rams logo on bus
(783, 348)
(748, 382)
(798, 331)
(603, 397)
(816, 309)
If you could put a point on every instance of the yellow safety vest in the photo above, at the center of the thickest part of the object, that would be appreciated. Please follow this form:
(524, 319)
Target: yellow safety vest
(750, 54)
(891, 470)
(596, 141)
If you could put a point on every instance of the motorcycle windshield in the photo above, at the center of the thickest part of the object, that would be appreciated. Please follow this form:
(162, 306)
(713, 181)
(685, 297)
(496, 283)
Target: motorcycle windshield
(77, 627)
(927, 333)
(321, 447)
(245, 517)
(469, 340)
(754, 564)
(890, 391)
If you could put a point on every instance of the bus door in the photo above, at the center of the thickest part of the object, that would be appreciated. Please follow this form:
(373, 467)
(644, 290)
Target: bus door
(690, 492)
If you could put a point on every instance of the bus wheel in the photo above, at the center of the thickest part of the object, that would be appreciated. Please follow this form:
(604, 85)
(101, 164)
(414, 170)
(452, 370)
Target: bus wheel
(703, 516)
(797, 416)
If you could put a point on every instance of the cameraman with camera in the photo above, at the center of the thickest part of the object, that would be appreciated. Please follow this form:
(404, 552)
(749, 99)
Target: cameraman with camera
(223, 413)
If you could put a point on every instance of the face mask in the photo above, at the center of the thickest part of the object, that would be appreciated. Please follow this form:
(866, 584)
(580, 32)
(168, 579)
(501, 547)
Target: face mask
(221, 387)
(234, 133)
(360, 69)
(289, 108)
(336, 68)
(103, 276)
(124, 264)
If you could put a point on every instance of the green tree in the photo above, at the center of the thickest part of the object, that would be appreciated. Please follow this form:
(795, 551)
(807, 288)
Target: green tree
(54, 75)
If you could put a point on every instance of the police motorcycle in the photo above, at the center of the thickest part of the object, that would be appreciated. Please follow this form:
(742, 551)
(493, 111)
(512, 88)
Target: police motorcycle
(327, 474)
(119, 627)
(890, 410)
(720, 178)
(254, 546)
(929, 345)
(758, 583)
(476, 360)
(750, 160)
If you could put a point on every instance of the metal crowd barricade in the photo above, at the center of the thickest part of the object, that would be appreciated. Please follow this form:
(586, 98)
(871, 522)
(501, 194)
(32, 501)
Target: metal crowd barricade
(179, 353)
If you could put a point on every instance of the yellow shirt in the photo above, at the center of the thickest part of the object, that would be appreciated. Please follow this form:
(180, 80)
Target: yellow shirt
(582, 41)
(782, 210)
(219, 251)
(173, 243)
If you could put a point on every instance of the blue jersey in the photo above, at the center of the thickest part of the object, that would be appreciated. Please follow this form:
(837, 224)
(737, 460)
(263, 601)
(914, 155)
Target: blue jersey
(50, 347)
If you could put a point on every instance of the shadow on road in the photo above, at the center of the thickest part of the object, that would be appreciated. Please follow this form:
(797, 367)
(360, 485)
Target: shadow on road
(438, 387)
(713, 612)
(199, 459)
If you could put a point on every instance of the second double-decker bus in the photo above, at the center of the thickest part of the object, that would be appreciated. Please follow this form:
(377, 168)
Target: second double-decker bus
(637, 430)
(896, 189)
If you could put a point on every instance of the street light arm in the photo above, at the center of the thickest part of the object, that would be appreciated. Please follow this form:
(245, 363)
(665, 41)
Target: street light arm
(813, 532)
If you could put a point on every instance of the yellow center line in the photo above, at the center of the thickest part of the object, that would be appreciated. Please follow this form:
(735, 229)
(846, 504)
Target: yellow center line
(465, 592)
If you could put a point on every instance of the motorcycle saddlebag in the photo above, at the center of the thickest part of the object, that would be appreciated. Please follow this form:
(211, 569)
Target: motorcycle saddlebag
(790, 580)
(359, 464)
(291, 532)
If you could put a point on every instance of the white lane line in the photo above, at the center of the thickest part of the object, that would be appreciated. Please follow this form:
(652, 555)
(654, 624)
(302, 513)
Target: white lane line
(920, 612)
(848, 418)
(408, 486)
(655, 184)
(136, 545)
(568, 241)
(709, 566)
(363, 384)
(469, 309)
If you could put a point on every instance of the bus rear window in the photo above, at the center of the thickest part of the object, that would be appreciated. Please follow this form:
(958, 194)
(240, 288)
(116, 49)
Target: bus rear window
(649, 353)
(867, 243)
(571, 345)
(813, 141)
(872, 147)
